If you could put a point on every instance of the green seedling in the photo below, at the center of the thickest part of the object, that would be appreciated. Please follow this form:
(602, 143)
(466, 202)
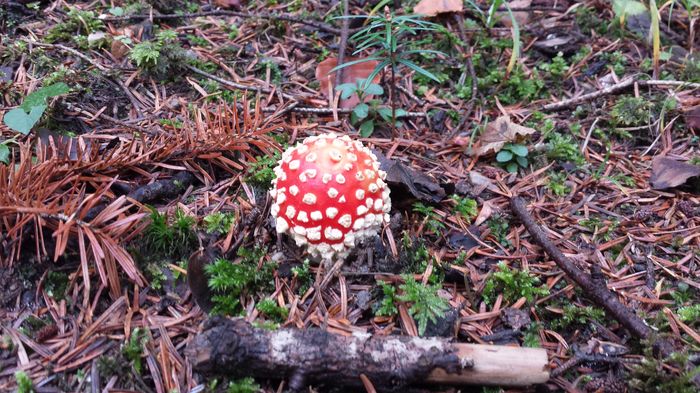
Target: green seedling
(386, 35)
(424, 303)
(219, 223)
(272, 310)
(366, 112)
(465, 207)
(24, 383)
(24, 118)
(133, 349)
(631, 111)
(432, 221)
(513, 156)
(387, 307)
(513, 285)
(245, 385)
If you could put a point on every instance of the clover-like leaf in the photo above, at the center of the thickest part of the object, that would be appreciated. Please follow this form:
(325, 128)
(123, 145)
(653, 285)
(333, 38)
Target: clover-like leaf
(361, 111)
(346, 90)
(522, 161)
(375, 89)
(21, 121)
(512, 167)
(4, 153)
(518, 150)
(39, 97)
(504, 156)
(367, 128)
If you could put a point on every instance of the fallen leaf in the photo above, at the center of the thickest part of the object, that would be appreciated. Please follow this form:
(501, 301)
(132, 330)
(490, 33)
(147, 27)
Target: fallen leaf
(668, 173)
(119, 49)
(235, 4)
(692, 118)
(498, 133)
(435, 7)
(351, 73)
(521, 17)
(404, 180)
(487, 210)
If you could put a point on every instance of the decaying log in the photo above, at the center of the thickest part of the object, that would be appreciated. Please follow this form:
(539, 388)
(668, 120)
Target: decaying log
(234, 348)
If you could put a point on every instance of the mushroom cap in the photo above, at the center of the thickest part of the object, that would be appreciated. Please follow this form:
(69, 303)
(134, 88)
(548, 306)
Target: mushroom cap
(329, 194)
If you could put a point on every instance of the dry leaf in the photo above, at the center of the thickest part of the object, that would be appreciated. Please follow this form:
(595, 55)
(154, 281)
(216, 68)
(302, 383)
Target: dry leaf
(350, 75)
(434, 7)
(521, 17)
(692, 118)
(498, 133)
(487, 209)
(235, 4)
(668, 173)
(119, 49)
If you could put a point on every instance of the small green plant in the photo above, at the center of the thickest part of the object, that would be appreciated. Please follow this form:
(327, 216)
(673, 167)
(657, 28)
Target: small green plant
(24, 118)
(603, 230)
(162, 57)
(513, 156)
(417, 257)
(432, 221)
(564, 148)
(425, 304)
(232, 280)
(245, 385)
(557, 183)
(557, 68)
(690, 314)
(531, 339)
(79, 25)
(499, 227)
(24, 383)
(133, 349)
(631, 111)
(56, 284)
(261, 171)
(219, 222)
(272, 310)
(387, 34)
(303, 276)
(577, 316)
(387, 307)
(651, 375)
(513, 285)
(170, 237)
(367, 112)
(466, 207)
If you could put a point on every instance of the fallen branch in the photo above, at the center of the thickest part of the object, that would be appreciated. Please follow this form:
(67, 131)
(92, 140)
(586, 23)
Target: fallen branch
(593, 285)
(314, 356)
(614, 89)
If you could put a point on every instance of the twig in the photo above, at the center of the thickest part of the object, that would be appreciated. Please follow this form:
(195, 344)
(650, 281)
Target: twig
(595, 289)
(614, 89)
(285, 17)
(235, 85)
(343, 43)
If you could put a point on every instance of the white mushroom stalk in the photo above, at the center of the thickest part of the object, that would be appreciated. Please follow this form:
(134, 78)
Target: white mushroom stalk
(329, 194)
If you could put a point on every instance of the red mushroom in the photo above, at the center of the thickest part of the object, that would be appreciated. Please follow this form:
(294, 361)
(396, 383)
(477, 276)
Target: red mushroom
(329, 194)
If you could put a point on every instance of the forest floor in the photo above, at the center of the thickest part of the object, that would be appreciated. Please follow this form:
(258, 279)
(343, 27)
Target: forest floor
(137, 132)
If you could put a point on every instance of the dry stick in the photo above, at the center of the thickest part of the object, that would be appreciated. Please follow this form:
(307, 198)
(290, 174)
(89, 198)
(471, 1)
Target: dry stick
(594, 288)
(614, 89)
(315, 356)
(235, 85)
(343, 43)
(285, 17)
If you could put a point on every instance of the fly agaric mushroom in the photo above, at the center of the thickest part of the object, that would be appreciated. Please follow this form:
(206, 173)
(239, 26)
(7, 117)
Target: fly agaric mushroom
(329, 194)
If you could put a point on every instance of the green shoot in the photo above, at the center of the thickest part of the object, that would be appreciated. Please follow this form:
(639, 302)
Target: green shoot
(425, 304)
